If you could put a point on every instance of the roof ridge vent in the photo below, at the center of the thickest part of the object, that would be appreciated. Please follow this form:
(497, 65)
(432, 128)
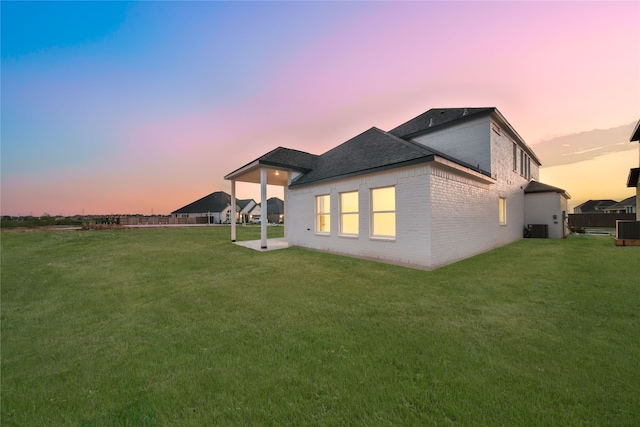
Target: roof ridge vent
(465, 112)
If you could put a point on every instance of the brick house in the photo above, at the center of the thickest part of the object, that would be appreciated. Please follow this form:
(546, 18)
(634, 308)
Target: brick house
(214, 208)
(446, 185)
(275, 211)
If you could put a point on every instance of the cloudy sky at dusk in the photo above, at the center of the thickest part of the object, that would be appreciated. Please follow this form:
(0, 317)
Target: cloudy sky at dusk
(117, 107)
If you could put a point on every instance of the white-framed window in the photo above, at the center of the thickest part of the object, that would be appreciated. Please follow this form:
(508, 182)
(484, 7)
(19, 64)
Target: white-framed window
(383, 212)
(502, 210)
(515, 157)
(323, 214)
(522, 155)
(349, 215)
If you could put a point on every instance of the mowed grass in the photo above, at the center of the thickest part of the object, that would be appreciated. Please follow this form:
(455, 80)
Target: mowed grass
(180, 327)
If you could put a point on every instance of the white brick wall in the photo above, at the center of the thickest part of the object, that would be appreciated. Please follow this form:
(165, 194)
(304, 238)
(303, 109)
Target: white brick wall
(411, 245)
(464, 217)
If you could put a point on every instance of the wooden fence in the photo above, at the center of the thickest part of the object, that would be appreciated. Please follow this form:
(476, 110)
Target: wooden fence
(599, 219)
(160, 220)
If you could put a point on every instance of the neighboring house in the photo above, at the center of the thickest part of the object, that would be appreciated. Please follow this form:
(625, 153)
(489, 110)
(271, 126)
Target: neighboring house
(216, 208)
(628, 205)
(593, 206)
(275, 211)
(244, 208)
(446, 185)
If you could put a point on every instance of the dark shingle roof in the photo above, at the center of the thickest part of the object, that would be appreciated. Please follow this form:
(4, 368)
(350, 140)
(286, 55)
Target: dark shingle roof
(286, 157)
(538, 187)
(372, 150)
(214, 202)
(629, 201)
(436, 117)
(275, 206)
(592, 206)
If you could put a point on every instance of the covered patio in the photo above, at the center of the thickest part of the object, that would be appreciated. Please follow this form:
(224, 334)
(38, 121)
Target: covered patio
(278, 167)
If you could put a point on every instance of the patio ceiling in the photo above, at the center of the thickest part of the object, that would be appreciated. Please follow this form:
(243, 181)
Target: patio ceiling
(251, 173)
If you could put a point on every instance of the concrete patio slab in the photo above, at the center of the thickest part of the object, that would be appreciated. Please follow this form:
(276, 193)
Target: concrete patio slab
(272, 244)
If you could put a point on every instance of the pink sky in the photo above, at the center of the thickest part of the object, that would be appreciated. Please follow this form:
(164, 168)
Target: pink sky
(151, 116)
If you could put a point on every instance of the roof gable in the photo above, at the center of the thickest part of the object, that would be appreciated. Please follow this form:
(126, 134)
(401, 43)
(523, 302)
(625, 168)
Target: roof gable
(242, 203)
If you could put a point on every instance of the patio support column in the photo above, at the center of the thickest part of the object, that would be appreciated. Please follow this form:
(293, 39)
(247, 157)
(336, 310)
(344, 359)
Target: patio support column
(263, 208)
(233, 210)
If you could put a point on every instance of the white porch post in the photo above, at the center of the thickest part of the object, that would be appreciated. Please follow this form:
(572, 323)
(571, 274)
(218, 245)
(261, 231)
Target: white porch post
(233, 210)
(263, 208)
(286, 202)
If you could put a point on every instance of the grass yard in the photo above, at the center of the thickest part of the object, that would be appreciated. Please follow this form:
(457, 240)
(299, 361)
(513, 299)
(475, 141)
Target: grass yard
(177, 326)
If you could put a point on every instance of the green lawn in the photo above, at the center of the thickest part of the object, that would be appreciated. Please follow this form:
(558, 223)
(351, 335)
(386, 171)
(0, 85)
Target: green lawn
(177, 326)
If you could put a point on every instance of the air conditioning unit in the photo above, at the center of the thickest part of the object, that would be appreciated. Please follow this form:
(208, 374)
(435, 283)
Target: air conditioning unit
(628, 230)
(538, 231)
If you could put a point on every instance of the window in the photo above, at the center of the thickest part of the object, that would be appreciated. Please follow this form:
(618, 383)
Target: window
(521, 163)
(528, 167)
(502, 207)
(515, 157)
(383, 212)
(323, 214)
(349, 217)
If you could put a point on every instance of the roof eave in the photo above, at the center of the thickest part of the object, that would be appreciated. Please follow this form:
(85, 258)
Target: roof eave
(256, 164)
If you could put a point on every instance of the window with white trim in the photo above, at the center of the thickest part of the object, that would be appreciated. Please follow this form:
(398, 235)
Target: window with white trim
(502, 209)
(383, 212)
(349, 215)
(515, 157)
(323, 214)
